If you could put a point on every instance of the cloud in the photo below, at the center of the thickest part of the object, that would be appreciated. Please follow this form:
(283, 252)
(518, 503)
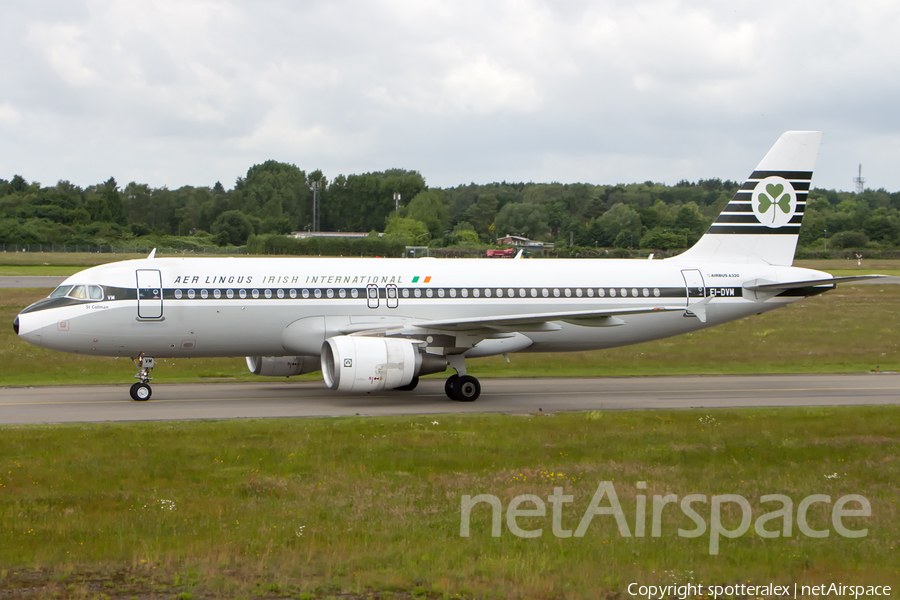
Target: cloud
(189, 92)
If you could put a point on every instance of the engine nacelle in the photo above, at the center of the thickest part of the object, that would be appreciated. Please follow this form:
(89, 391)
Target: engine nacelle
(282, 366)
(367, 364)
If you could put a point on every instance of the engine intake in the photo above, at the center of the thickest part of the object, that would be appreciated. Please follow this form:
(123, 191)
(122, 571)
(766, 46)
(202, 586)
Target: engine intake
(366, 364)
(282, 366)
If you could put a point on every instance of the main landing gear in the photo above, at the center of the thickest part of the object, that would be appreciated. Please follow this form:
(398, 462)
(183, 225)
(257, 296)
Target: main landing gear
(141, 391)
(463, 388)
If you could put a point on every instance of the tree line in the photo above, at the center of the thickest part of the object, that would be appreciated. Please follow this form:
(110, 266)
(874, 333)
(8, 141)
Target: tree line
(274, 199)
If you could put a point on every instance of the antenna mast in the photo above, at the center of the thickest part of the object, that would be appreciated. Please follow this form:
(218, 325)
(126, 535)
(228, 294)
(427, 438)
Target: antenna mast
(860, 182)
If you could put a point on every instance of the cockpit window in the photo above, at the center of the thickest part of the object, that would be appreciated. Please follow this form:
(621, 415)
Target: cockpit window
(60, 291)
(78, 292)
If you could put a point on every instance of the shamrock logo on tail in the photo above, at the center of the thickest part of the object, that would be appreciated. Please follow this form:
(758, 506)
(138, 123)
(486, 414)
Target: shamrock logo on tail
(767, 200)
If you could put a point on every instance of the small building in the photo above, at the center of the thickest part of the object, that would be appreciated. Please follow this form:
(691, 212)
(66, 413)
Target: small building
(523, 242)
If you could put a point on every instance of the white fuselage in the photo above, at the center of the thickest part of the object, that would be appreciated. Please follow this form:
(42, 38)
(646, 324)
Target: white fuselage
(199, 307)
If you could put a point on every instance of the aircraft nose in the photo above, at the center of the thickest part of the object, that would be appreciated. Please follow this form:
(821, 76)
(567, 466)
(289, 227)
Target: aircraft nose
(16, 325)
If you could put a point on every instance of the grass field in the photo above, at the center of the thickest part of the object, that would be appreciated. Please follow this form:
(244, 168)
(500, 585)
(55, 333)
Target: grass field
(69, 263)
(327, 507)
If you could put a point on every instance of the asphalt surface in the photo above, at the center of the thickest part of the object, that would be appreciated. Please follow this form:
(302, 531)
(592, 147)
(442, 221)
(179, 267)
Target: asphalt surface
(311, 399)
(30, 281)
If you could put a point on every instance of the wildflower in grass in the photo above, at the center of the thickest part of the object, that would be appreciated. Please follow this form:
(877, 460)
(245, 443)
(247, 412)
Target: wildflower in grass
(435, 423)
(832, 476)
(299, 532)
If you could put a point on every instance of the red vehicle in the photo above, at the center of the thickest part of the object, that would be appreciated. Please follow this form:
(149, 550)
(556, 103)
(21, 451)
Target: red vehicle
(508, 253)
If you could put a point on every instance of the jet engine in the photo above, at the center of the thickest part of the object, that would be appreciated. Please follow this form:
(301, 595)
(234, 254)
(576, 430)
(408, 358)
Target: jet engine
(282, 366)
(366, 364)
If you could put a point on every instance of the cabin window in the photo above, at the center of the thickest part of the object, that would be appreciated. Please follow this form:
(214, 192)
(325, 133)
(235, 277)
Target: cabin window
(178, 294)
(464, 292)
(656, 292)
(229, 293)
(568, 293)
(204, 294)
(280, 293)
(646, 293)
(217, 294)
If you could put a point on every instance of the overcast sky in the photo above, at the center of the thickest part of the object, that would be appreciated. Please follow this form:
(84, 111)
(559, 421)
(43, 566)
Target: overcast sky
(189, 92)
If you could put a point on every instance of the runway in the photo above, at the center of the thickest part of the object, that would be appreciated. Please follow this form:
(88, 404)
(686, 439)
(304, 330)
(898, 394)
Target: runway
(76, 404)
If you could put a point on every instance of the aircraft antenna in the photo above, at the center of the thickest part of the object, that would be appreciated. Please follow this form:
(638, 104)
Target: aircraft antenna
(860, 181)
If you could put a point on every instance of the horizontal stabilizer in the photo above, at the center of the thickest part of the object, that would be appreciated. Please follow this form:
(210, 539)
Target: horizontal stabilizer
(790, 285)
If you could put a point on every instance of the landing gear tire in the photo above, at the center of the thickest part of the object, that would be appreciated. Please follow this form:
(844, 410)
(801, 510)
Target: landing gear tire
(448, 386)
(409, 386)
(140, 392)
(466, 389)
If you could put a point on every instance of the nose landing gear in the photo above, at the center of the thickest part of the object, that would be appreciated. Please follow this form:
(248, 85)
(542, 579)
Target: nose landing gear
(141, 391)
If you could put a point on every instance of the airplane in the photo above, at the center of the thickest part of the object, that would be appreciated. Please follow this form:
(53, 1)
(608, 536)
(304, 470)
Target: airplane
(373, 324)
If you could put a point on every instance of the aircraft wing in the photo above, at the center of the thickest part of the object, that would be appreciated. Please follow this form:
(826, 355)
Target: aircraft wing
(513, 322)
(790, 285)
(509, 323)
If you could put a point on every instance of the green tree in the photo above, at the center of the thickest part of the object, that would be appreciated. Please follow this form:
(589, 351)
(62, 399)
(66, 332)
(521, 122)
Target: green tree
(274, 190)
(409, 232)
(429, 208)
(232, 227)
(529, 220)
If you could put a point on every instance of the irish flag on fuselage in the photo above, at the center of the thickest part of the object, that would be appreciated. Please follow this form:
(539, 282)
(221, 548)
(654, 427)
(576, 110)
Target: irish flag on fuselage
(761, 224)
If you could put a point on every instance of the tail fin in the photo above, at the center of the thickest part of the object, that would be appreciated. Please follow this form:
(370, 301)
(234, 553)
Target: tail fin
(761, 224)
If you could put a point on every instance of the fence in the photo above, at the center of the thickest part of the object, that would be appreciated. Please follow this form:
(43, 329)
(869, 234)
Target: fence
(127, 249)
